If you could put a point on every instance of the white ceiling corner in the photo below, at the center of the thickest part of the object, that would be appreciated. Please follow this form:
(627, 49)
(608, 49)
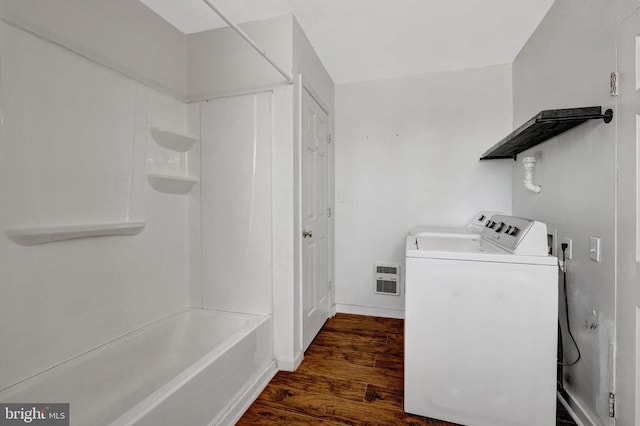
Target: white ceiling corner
(359, 40)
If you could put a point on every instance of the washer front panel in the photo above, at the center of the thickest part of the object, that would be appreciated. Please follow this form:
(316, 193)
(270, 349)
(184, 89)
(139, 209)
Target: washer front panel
(480, 341)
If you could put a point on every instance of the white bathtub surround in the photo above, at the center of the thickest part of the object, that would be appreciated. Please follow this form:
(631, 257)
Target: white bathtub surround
(194, 367)
(75, 140)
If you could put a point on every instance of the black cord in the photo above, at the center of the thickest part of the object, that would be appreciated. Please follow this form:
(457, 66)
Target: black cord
(560, 351)
(566, 307)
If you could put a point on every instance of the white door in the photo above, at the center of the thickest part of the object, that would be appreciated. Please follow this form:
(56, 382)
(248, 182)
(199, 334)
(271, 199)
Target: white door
(628, 297)
(315, 224)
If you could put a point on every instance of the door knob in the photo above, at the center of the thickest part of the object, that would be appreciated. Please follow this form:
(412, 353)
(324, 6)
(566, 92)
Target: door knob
(307, 234)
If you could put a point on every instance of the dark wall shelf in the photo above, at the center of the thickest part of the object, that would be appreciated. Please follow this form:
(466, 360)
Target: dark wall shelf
(545, 125)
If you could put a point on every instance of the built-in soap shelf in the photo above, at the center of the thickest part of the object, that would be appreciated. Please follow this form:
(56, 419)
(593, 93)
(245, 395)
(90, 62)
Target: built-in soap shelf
(171, 184)
(173, 140)
(48, 234)
(174, 179)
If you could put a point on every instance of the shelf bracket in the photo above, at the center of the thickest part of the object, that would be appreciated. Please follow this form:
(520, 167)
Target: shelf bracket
(606, 117)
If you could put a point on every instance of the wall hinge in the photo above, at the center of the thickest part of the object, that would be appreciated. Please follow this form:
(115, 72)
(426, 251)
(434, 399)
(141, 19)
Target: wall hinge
(612, 404)
(329, 212)
(613, 84)
(329, 285)
(329, 138)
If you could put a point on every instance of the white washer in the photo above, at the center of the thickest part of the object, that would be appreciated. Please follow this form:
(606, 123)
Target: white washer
(481, 326)
(471, 229)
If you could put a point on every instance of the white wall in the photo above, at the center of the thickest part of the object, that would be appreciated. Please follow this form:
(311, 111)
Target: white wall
(407, 154)
(306, 62)
(624, 8)
(221, 63)
(74, 144)
(122, 34)
(567, 63)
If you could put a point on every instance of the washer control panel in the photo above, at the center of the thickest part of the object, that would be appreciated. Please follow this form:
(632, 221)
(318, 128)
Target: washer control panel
(478, 221)
(517, 234)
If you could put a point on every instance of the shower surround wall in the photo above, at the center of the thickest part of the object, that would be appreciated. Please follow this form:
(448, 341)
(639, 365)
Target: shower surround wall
(73, 150)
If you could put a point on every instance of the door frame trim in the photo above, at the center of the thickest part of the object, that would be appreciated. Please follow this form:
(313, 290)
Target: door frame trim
(299, 86)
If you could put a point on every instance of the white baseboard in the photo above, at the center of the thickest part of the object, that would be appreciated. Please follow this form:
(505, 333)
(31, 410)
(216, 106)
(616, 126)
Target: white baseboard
(578, 410)
(290, 365)
(370, 311)
(247, 398)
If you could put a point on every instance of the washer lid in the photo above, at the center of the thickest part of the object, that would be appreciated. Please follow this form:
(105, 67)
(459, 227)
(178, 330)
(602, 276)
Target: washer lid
(452, 231)
(474, 226)
(471, 249)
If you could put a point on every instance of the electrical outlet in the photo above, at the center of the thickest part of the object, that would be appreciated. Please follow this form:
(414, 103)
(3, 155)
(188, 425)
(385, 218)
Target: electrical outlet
(569, 251)
(552, 238)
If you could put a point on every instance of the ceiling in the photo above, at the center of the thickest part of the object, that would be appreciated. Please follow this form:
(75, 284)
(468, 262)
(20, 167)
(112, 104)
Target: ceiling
(360, 40)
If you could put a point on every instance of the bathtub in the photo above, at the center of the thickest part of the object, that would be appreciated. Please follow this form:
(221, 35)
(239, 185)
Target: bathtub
(195, 367)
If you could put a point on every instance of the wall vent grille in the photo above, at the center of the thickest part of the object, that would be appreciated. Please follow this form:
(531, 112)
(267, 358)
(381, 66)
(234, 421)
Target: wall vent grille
(386, 269)
(387, 279)
(386, 287)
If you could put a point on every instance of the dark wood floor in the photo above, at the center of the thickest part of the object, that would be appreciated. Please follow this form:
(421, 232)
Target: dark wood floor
(351, 374)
